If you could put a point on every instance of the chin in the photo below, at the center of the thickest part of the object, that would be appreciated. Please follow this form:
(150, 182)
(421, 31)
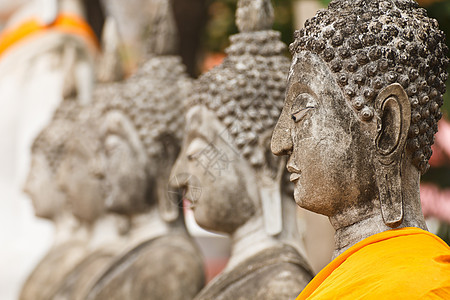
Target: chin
(207, 221)
(202, 220)
(299, 197)
(116, 207)
(308, 202)
(42, 214)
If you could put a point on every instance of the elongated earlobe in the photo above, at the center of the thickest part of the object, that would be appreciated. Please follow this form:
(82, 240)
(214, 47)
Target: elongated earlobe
(168, 210)
(169, 201)
(394, 111)
(270, 193)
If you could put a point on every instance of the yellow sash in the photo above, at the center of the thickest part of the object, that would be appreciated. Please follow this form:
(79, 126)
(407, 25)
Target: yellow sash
(407, 263)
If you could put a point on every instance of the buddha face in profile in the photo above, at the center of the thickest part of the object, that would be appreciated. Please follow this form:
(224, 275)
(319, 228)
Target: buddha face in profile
(229, 123)
(362, 105)
(106, 167)
(125, 163)
(47, 198)
(325, 140)
(130, 139)
(225, 194)
(82, 175)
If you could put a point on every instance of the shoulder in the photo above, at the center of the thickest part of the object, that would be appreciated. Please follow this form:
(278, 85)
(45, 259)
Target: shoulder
(176, 271)
(403, 266)
(283, 281)
(158, 267)
(172, 257)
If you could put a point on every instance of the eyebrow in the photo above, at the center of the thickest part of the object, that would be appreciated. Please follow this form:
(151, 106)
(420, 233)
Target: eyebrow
(300, 88)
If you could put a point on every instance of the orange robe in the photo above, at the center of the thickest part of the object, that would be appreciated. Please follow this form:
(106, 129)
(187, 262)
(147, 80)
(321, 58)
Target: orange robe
(407, 263)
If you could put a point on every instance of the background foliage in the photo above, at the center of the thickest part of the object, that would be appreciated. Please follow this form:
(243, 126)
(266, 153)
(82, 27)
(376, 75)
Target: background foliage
(221, 23)
(441, 12)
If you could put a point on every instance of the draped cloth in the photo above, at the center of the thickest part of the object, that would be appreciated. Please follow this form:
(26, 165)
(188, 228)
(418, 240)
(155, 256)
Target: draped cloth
(407, 263)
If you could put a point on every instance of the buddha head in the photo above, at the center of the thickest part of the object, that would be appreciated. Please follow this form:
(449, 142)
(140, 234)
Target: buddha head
(363, 101)
(134, 132)
(140, 130)
(47, 151)
(230, 116)
(82, 172)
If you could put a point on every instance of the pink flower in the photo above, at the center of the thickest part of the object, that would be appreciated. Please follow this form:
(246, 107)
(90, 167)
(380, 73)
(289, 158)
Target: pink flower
(441, 147)
(435, 202)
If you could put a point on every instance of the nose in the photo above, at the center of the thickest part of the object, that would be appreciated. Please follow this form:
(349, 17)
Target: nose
(28, 185)
(26, 188)
(281, 143)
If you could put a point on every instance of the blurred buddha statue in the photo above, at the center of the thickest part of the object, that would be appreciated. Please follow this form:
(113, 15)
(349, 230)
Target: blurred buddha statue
(361, 110)
(141, 129)
(136, 129)
(49, 202)
(46, 48)
(228, 172)
(81, 176)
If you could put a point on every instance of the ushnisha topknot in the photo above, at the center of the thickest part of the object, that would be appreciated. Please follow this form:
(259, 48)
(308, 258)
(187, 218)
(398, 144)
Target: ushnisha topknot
(247, 90)
(369, 44)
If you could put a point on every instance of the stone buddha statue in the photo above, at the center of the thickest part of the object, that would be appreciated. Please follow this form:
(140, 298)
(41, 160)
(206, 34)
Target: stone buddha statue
(361, 110)
(135, 128)
(49, 202)
(82, 177)
(228, 173)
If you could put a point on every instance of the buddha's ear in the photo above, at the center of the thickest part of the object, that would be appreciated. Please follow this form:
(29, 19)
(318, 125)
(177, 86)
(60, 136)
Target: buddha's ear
(117, 123)
(169, 202)
(394, 111)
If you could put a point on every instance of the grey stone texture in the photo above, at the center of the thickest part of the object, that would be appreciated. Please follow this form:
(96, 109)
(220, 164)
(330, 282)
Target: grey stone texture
(362, 105)
(230, 116)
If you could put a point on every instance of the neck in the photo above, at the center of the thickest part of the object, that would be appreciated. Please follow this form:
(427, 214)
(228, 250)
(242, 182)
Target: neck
(248, 240)
(348, 233)
(347, 236)
(68, 228)
(106, 233)
(146, 226)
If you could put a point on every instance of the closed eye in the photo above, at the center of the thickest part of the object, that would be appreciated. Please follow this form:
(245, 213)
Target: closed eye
(299, 115)
(195, 148)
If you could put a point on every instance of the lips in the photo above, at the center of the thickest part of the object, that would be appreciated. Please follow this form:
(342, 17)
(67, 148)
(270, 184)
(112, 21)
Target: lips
(294, 177)
(188, 203)
(294, 170)
(188, 199)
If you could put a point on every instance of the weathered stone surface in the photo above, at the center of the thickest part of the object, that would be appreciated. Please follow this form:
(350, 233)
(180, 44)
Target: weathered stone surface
(364, 92)
(274, 273)
(81, 277)
(50, 202)
(134, 129)
(81, 176)
(166, 267)
(230, 116)
(52, 269)
(139, 128)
